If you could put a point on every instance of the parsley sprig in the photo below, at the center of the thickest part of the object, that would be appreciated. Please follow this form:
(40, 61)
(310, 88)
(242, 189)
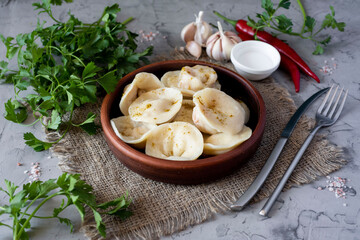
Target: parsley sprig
(283, 24)
(74, 191)
(65, 65)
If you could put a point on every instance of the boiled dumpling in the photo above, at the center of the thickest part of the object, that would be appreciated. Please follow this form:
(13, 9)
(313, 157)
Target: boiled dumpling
(143, 82)
(222, 142)
(197, 77)
(216, 85)
(191, 79)
(178, 141)
(156, 106)
(185, 113)
(171, 79)
(247, 111)
(215, 112)
(130, 131)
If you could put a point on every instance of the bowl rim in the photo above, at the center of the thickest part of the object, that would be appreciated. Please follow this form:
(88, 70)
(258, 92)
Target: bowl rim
(256, 44)
(169, 165)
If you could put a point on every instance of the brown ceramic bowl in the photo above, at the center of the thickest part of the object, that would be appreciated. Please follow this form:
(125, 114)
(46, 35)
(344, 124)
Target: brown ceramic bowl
(206, 168)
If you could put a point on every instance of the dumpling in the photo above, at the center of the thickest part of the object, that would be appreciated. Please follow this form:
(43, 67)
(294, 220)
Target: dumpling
(156, 106)
(216, 85)
(130, 131)
(197, 77)
(143, 82)
(215, 112)
(191, 79)
(222, 142)
(247, 111)
(185, 113)
(178, 141)
(171, 79)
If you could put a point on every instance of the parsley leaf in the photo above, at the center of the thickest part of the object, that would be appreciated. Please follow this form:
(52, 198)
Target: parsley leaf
(15, 112)
(284, 4)
(35, 143)
(284, 23)
(309, 24)
(88, 125)
(318, 50)
(55, 120)
(108, 81)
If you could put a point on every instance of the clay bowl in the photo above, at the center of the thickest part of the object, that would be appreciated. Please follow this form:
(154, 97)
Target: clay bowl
(206, 168)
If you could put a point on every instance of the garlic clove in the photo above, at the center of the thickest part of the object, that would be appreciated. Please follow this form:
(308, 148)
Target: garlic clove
(210, 45)
(194, 49)
(216, 52)
(188, 32)
(226, 44)
(203, 30)
(232, 35)
(212, 38)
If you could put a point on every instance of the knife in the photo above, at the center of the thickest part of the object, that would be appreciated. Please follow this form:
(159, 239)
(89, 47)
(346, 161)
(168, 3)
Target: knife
(270, 162)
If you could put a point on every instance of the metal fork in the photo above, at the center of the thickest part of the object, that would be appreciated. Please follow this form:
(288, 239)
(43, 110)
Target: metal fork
(326, 115)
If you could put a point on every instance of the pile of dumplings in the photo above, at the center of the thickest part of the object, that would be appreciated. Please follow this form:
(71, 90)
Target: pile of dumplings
(181, 116)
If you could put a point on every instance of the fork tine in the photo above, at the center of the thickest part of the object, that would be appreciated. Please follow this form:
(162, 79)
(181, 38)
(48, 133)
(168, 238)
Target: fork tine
(325, 99)
(336, 103)
(331, 102)
(340, 107)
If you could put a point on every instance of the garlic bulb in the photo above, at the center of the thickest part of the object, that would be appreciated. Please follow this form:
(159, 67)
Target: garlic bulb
(194, 49)
(198, 31)
(219, 45)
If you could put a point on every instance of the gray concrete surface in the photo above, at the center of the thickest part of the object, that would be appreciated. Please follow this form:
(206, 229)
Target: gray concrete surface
(302, 212)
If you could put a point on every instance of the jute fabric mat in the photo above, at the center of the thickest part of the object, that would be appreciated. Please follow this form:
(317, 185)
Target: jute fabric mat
(162, 209)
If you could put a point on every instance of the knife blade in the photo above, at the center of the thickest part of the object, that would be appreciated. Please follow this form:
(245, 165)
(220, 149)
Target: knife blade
(270, 162)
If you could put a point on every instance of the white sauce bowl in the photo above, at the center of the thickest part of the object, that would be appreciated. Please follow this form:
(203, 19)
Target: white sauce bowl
(255, 60)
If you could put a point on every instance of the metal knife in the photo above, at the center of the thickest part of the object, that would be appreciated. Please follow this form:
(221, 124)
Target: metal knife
(270, 162)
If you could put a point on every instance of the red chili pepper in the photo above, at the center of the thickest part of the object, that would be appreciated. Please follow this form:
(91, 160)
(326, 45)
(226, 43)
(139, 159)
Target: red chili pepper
(241, 26)
(289, 65)
(245, 37)
(285, 63)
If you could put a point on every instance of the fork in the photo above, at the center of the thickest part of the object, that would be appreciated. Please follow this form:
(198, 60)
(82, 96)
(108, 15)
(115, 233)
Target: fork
(324, 117)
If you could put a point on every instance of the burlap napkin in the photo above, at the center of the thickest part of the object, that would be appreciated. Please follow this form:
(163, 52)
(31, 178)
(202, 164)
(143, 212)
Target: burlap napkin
(162, 209)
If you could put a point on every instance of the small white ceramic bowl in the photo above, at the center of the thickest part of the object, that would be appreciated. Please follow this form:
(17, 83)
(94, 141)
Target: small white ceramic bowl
(255, 60)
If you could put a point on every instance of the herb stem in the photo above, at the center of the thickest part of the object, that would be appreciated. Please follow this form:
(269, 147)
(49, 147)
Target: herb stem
(318, 31)
(127, 20)
(16, 227)
(30, 124)
(33, 214)
(44, 217)
(41, 217)
(32, 202)
(53, 18)
(5, 225)
(303, 13)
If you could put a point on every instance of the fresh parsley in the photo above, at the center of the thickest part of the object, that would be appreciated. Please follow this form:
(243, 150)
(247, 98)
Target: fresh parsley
(75, 191)
(283, 24)
(66, 64)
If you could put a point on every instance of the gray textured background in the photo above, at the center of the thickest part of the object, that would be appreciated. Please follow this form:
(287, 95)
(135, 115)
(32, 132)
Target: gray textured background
(302, 212)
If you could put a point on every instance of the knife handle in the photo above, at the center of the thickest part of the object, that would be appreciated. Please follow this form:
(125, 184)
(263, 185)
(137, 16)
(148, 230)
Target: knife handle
(261, 177)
